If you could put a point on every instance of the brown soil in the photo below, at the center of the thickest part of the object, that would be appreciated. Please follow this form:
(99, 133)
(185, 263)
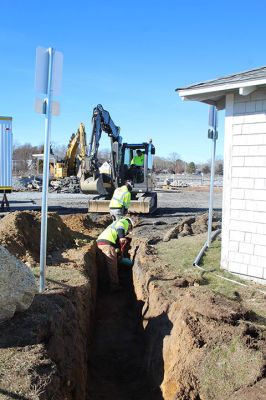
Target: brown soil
(193, 225)
(200, 345)
(164, 336)
(44, 351)
(20, 234)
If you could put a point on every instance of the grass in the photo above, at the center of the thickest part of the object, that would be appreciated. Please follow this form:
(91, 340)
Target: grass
(228, 367)
(180, 254)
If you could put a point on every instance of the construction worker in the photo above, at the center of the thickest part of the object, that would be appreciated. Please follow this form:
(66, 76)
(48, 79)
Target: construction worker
(110, 243)
(138, 160)
(120, 201)
(135, 171)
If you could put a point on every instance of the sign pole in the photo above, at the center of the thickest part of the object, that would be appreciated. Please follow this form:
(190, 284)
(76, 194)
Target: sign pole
(45, 184)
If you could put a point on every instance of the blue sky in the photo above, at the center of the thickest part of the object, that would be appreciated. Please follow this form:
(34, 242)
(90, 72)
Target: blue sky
(130, 56)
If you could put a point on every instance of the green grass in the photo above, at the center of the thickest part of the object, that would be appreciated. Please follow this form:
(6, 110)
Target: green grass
(180, 254)
(228, 367)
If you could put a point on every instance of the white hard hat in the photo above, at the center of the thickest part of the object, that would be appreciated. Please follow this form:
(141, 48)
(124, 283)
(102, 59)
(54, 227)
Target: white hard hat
(130, 184)
(130, 221)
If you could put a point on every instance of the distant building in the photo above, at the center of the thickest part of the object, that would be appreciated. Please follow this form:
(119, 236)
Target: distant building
(243, 96)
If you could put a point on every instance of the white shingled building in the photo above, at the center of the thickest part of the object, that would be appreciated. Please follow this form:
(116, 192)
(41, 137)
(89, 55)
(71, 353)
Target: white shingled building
(243, 96)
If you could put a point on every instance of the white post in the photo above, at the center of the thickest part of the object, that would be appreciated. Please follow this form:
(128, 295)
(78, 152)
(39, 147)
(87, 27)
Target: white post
(212, 134)
(45, 182)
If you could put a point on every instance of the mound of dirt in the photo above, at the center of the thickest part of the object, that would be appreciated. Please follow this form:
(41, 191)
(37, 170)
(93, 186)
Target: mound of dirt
(83, 223)
(193, 226)
(20, 234)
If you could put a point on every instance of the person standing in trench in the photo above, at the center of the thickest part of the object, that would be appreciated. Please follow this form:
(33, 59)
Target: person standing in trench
(111, 242)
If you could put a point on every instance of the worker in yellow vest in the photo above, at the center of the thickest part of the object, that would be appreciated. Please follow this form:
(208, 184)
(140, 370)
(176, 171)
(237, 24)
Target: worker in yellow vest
(136, 167)
(110, 242)
(138, 160)
(120, 201)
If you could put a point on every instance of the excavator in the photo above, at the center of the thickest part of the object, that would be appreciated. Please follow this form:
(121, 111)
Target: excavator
(68, 166)
(94, 180)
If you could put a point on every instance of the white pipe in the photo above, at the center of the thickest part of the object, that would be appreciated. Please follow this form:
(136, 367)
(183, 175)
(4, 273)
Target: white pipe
(201, 253)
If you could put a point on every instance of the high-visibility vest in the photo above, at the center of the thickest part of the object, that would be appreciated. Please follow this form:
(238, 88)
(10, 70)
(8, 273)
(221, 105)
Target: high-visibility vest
(138, 160)
(110, 233)
(121, 198)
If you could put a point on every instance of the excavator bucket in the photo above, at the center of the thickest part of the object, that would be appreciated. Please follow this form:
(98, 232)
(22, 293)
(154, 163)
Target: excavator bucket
(93, 186)
(145, 204)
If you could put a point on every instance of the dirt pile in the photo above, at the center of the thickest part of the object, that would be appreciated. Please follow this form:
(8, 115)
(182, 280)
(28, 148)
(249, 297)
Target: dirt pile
(193, 226)
(20, 234)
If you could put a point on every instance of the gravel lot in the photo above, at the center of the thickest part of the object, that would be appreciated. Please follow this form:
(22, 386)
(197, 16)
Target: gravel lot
(170, 204)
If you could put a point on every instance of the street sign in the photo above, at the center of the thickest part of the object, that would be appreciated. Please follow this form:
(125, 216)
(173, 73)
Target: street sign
(42, 71)
(41, 106)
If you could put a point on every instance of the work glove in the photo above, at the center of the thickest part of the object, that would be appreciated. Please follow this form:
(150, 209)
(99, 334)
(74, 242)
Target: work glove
(122, 243)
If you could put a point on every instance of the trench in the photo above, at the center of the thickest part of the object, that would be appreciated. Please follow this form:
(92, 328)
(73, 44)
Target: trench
(116, 368)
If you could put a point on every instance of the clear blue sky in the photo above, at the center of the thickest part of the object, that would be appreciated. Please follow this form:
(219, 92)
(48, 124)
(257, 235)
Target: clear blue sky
(130, 56)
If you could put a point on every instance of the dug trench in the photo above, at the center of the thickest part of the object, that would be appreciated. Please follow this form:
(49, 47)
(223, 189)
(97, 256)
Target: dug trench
(164, 336)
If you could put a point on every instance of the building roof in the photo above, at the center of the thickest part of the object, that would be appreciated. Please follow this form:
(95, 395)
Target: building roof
(214, 91)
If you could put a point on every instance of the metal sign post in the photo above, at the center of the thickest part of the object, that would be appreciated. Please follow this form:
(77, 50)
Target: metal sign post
(212, 134)
(48, 63)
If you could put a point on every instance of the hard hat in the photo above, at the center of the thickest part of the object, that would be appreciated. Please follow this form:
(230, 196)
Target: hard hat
(130, 221)
(129, 185)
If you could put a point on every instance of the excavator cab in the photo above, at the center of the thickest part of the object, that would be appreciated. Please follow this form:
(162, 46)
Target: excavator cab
(137, 165)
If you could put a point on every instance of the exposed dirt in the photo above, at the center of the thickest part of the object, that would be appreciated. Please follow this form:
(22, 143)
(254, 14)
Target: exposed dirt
(44, 351)
(20, 234)
(193, 226)
(200, 345)
(118, 347)
(165, 336)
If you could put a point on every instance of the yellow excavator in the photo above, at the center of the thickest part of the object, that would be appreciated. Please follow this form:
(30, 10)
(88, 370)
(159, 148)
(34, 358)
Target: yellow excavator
(76, 152)
(95, 181)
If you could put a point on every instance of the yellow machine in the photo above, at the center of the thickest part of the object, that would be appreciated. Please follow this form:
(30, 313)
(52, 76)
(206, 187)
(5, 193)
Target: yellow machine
(73, 157)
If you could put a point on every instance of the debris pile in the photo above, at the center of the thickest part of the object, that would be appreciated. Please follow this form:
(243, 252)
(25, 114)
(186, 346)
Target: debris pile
(66, 185)
(193, 226)
(23, 183)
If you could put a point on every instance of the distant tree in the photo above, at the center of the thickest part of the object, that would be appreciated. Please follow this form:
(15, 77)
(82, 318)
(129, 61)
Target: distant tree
(161, 163)
(59, 151)
(177, 165)
(206, 169)
(22, 156)
(191, 168)
(219, 167)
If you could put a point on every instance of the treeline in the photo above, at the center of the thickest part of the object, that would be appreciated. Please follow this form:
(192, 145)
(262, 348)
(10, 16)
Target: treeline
(173, 164)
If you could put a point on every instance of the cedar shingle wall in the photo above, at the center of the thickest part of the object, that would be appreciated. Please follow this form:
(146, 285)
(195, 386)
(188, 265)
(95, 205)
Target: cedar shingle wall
(244, 250)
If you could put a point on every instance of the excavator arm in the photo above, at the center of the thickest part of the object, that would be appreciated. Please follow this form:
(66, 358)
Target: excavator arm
(78, 139)
(77, 148)
(91, 181)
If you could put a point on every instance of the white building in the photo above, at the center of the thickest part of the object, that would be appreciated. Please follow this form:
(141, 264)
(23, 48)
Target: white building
(243, 96)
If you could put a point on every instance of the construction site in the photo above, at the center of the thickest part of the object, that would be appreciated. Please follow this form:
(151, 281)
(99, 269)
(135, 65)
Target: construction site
(174, 331)
(179, 327)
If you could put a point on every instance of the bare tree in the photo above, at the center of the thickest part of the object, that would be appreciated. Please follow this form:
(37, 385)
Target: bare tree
(206, 169)
(175, 161)
(60, 151)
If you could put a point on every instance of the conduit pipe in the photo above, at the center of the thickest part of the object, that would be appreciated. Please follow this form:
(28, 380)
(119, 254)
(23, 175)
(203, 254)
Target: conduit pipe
(202, 252)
